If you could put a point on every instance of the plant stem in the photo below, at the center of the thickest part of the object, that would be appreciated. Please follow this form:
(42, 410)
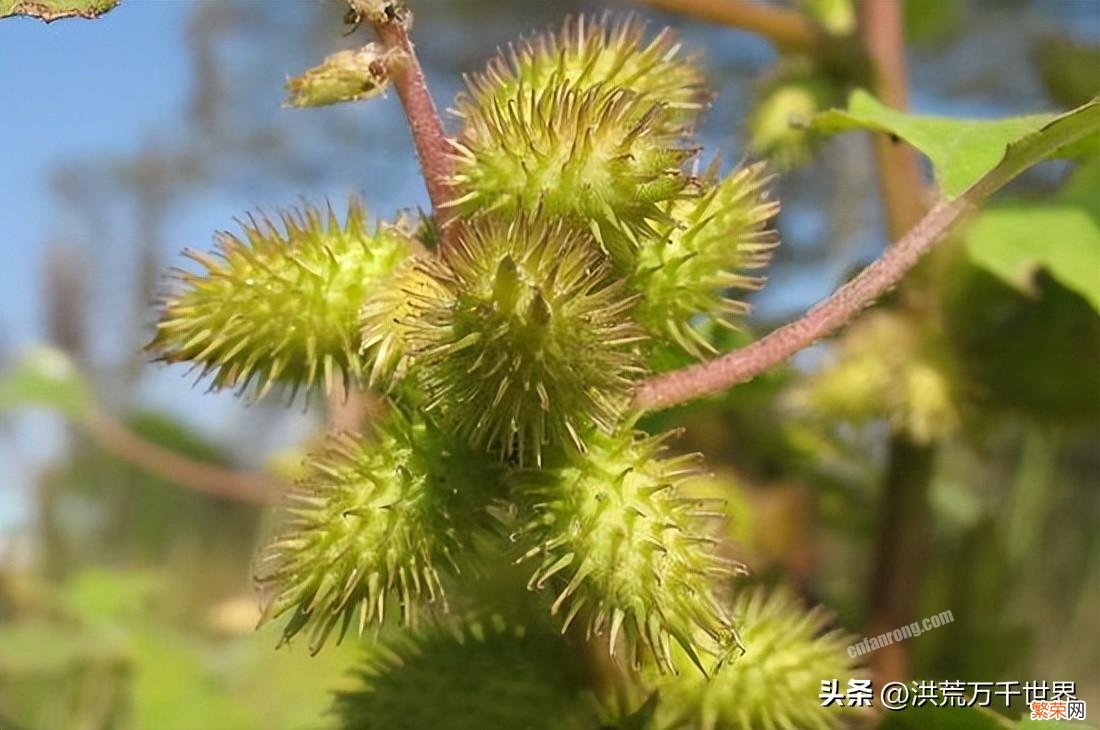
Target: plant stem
(901, 546)
(783, 27)
(903, 530)
(427, 129)
(116, 438)
(899, 173)
(739, 366)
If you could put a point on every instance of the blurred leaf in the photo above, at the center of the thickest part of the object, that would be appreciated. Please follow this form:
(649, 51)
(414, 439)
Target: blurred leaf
(929, 20)
(966, 151)
(105, 597)
(928, 717)
(1015, 240)
(108, 512)
(51, 10)
(836, 16)
(45, 376)
(123, 665)
(54, 676)
(1031, 355)
(1069, 70)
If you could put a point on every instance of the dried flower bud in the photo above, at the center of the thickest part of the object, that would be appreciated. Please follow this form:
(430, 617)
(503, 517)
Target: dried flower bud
(343, 76)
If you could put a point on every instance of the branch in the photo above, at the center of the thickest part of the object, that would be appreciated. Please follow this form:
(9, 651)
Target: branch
(739, 366)
(902, 537)
(899, 175)
(199, 476)
(903, 527)
(783, 27)
(830, 314)
(391, 23)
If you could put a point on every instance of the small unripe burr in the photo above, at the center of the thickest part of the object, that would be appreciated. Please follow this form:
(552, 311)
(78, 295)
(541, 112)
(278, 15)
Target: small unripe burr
(528, 341)
(715, 244)
(589, 51)
(601, 156)
(375, 522)
(279, 306)
(775, 682)
(624, 550)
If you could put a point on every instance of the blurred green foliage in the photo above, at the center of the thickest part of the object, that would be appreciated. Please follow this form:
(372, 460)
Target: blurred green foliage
(1061, 234)
(48, 378)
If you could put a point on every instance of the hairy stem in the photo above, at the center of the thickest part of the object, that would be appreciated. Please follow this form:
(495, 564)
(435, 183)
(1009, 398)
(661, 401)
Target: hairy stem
(391, 25)
(782, 26)
(739, 366)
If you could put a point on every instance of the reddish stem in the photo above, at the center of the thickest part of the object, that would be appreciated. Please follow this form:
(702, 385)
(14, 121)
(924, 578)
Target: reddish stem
(427, 130)
(899, 175)
(115, 438)
(782, 26)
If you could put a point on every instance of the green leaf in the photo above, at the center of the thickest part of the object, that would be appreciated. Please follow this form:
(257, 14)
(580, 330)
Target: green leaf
(1014, 240)
(51, 10)
(962, 151)
(45, 376)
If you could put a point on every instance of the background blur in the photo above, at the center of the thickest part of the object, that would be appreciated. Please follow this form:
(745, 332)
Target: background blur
(125, 597)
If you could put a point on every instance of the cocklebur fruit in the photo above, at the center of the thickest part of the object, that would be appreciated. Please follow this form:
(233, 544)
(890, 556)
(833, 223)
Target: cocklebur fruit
(280, 306)
(469, 674)
(587, 52)
(776, 682)
(713, 244)
(598, 155)
(625, 549)
(378, 517)
(532, 342)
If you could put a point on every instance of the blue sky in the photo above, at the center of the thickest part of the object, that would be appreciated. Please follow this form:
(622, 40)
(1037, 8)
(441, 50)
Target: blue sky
(69, 88)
